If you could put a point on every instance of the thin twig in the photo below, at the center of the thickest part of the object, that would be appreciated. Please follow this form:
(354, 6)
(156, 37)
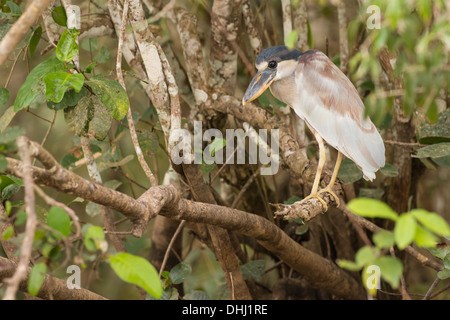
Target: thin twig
(244, 188)
(405, 144)
(169, 247)
(223, 166)
(133, 134)
(355, 223)
(38, 116)
(432, 287)
(30, 228)
(49, 129)
(163, 12)
(440, 291)
(13, 66)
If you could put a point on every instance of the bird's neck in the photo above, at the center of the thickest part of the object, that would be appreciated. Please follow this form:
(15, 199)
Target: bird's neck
(285, 88)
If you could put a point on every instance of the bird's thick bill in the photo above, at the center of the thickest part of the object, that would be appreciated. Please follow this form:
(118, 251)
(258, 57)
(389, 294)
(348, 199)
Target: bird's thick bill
(259, 84)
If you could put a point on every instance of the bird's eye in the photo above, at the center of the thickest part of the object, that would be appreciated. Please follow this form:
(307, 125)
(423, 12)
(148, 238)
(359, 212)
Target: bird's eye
(272, 64)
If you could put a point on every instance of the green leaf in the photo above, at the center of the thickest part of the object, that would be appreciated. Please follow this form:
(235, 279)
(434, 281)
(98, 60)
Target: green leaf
(89, 118)
(440, 252)
(103, 56)
(371, 208)
(432, 221)
(302, 229)
(112, 95)
(216, 145)
(113, 184)
(5, 181)
(365, 256)
(36, 278)
(56, 84)
(292, 199)
(391, 269)
(197, 295)
(389, 170)
(424, 238)
(90, 67)
(34, 40)
(384, 239)
(68, 161)
(404, 231)
(15, 9)
(11, 134)
(89, 44)
(137, 270)
(16, 180)
(291, 39)
(149, 141)
(8, 233)
(71, 97)
(429, 133)
(9, 190)
(21, 217)
(6, 118)
(4, 96)
(169, 293)
(95, 239)
(310, 35)
(67, 47)
(371, 193)
(93, 209)
(59, 220)
(34, 85)
(444, 162)
(349, 172)
(434, 151)
(444, 274)
(206, 168)
(179, 273)
(424, 9)
(3, 163)
(348, 265)
(59, 16)
(253, 269)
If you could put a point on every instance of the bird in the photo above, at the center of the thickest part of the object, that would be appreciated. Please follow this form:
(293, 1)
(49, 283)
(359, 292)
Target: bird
(328, 102)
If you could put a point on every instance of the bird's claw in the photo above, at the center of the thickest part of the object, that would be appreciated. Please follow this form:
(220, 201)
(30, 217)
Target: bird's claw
(331, 192)
(316, 196)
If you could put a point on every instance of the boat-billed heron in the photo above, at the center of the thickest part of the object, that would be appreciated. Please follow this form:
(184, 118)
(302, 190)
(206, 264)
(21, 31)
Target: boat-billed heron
(321, 95)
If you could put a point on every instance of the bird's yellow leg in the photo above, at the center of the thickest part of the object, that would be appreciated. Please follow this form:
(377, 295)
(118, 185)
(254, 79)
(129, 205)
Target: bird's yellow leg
(322, 158)
(329, 187)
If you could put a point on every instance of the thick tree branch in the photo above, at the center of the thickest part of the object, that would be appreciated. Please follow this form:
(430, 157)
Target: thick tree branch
(300, 21)
(55, 176)
(251, 30)
(167, 201)
(219, 237)
(225, 25)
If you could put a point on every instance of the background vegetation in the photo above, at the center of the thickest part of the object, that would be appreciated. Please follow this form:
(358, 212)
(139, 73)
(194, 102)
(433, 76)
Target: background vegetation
(181, 61)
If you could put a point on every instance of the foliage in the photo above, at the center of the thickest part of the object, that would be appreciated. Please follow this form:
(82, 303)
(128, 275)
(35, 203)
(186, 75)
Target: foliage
(73, 81)
(417, 225)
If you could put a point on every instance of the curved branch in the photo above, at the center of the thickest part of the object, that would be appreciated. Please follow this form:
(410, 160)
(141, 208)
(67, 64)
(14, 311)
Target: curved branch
(166, 201)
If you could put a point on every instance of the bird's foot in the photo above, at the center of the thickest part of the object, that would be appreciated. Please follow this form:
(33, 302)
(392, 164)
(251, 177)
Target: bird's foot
(316, 195)
(331, 192)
